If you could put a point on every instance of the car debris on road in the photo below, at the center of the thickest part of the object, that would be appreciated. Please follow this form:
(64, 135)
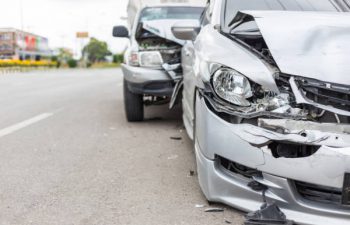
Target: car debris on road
(176, 138)
(214, 210)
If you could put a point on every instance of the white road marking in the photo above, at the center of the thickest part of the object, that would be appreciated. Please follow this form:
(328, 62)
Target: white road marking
(23, 124)
(120, 84)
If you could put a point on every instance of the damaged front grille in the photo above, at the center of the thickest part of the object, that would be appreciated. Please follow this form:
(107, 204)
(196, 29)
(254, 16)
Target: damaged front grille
(317, 193)
(237, 168)
(335, 95)
(148, 41)
(292, 150)
(171, 56)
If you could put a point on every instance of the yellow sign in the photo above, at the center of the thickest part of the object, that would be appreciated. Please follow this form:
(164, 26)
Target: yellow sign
(82, 34)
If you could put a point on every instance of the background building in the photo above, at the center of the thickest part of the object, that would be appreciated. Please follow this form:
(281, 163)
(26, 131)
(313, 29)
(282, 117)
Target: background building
(17, 44)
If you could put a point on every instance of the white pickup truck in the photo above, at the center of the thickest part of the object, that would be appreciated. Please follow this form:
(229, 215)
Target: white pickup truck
(152, 64)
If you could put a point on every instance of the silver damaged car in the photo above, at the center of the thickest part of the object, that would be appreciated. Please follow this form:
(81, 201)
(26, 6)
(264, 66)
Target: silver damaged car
(266, 98)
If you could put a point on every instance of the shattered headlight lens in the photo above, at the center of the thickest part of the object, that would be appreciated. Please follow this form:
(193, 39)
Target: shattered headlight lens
(151, 59)
(232, 86)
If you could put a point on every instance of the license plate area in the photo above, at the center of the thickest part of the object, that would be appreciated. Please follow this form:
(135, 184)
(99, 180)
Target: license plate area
(346, 190)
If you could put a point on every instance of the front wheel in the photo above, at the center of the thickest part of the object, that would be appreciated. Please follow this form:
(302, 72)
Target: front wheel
(133, 104)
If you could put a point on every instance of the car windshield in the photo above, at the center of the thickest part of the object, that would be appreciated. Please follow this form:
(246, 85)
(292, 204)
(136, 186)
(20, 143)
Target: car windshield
(231, 7)
(158, 13)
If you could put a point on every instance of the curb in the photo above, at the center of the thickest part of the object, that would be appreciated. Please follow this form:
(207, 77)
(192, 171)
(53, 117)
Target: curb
(6, 71)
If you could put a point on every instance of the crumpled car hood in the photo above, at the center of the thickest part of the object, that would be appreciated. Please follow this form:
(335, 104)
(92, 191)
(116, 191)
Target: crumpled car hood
(308, 44)
(162, 28)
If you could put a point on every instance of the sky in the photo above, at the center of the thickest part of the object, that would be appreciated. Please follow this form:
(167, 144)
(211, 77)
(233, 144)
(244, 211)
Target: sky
(59, 20)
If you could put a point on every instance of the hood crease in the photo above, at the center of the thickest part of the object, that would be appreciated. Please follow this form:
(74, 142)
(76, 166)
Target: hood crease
(309, 44)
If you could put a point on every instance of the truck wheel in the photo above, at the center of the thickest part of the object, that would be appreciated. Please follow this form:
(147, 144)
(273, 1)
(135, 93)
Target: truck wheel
(133, 104)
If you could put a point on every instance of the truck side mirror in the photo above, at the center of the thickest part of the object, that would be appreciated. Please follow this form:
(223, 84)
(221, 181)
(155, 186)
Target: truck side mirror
(186, 30)
(120, 31)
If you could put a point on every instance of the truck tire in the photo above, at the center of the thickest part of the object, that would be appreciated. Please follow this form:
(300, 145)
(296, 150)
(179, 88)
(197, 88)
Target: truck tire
(133, 104)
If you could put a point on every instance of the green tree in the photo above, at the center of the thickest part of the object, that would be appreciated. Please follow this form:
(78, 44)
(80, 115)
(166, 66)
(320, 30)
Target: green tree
(96, 50)
(72, 63)
(64, 54)
(118, 58)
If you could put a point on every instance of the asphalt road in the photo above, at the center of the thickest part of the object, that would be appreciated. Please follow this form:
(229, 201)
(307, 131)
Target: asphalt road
(68, 156)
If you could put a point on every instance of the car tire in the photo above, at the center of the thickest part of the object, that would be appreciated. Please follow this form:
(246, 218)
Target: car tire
(133, 104)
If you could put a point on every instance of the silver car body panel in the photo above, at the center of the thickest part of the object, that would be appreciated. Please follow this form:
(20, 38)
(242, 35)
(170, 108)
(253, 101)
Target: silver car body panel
(162, 28)
(220, 49)
(297, 127)
(215, 136)
(320, 39)
(238, 141)
(246, 144)
(219, 186)
(141, 75)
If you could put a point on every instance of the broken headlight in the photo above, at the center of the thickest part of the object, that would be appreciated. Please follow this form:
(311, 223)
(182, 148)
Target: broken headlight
(232, 86)
(151, 59)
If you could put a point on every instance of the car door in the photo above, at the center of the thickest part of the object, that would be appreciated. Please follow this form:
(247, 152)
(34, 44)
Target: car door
(189, 84)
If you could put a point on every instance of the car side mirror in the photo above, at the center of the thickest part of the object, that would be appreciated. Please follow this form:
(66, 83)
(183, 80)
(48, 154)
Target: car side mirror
(120, 31)
(186, 30)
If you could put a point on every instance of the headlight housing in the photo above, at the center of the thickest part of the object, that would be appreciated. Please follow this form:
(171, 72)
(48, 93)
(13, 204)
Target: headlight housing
(151, 59)
(232, 86)
(133, 59)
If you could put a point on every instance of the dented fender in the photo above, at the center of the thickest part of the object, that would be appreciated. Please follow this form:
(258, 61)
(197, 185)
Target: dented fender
(259, 136)
(220, 49)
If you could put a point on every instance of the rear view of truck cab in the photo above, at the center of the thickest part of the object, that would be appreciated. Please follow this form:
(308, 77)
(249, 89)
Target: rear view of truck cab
(152, 65)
